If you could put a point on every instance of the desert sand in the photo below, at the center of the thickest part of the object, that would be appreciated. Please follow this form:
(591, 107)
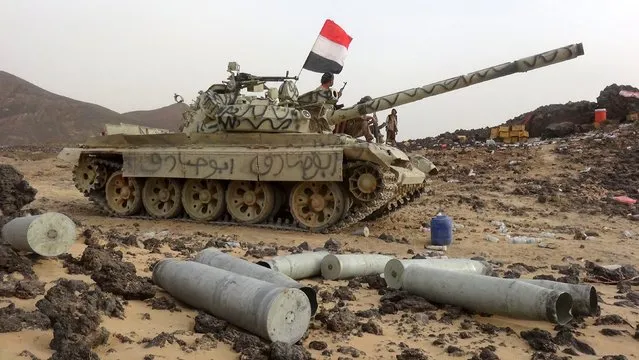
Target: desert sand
(553, 190)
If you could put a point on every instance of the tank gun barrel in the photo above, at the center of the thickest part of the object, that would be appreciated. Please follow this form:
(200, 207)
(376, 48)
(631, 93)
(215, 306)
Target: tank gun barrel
(533, 62)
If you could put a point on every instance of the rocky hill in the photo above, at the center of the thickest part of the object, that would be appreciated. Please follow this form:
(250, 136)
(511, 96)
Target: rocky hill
(578, 115)
(32, 115)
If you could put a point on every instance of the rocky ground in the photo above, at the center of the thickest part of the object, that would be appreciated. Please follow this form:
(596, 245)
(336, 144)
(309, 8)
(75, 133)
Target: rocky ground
(99, 302)
(548, 121)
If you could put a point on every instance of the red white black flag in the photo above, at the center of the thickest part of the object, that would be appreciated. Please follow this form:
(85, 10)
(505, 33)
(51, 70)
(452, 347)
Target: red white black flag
(329, 51)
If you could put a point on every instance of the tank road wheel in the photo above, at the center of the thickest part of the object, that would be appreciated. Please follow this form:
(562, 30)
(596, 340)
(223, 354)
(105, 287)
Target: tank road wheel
(365, 182)
(162, 197)
(124, 194)
(317, 205)
(250, 202)
(88, 175)
(203, 199)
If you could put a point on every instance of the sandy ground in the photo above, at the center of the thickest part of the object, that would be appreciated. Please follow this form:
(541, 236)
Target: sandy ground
(475, 203)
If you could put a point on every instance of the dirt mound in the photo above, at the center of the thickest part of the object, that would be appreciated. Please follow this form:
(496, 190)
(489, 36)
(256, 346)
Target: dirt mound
(111, 273)
(617, 106)
(447, 138)
(13, 319)
(15, 191)
(74, 308)
(578, 113)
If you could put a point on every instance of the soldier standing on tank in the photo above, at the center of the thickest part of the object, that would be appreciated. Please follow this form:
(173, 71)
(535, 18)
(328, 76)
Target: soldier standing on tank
(391, 127)
(327, 83)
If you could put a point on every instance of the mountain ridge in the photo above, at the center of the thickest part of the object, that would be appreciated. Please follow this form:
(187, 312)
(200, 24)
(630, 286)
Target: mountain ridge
(30, 114)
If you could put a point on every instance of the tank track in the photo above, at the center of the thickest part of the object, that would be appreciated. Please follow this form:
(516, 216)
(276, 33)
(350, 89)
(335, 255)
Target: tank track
(358, 212)
(407, 197)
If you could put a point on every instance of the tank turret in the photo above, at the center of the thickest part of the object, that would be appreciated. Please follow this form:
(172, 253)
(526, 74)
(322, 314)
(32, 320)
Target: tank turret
(223, 108)
(251, 155)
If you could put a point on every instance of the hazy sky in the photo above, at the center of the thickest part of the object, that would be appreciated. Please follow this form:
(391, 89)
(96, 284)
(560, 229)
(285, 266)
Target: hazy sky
(133, 55)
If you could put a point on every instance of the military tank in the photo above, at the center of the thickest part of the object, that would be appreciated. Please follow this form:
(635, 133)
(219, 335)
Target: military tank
(252, 155)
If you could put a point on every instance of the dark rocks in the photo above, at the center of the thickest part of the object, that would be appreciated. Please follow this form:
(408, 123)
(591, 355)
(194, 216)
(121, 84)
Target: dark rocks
(544, 277)
(612, 319)
(522, 268)
(260, 252)
(163, 303)
(370, 313)
(282, 351)
(21, 289)
(611, 332)
(73, 308)
(342, 321)
(403, 301)
(561, 129)
(349, 350)
(28, 354)
(206, 342)
(624, 287)
(372, 327)
(617, 106)
(11, 261)
(565, 337)
(486, 353)
(491, 329)
(206, 323)
(77, 352)
(332, 245)
(344, 293)
(583, 347)
(511, 274)
(454, 351)
(161, 340)
(317, 345)
(411, 354)
(13, 319)
(112, 274)
(326, 296)
(625, 272)
(570, 351)
(374, 282)
(548, 356)
(15, 191)
(540, 340)
(251, 347)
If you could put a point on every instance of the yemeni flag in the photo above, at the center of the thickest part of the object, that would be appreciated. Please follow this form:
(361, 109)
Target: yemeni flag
(329, 51)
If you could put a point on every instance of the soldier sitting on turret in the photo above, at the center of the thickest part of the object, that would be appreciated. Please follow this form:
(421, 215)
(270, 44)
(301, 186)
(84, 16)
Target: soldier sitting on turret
(364, 125)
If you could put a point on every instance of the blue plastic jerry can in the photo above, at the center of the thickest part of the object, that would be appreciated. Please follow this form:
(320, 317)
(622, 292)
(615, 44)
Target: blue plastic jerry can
(441, 230)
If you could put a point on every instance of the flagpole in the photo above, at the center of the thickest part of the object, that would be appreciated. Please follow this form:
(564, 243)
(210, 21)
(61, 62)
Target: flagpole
(309, 53)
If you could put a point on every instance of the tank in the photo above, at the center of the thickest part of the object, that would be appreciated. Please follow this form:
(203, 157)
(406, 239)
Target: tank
(251, 155)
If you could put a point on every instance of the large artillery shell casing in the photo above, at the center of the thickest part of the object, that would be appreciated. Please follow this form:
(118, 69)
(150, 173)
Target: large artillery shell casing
(297, 266)
(394, 269)
(48, 234)
(271, 311)
(487, 294)
(336, 267)
(214, 257)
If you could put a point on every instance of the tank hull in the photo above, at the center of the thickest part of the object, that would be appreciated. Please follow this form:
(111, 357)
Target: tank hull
(318, 182)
